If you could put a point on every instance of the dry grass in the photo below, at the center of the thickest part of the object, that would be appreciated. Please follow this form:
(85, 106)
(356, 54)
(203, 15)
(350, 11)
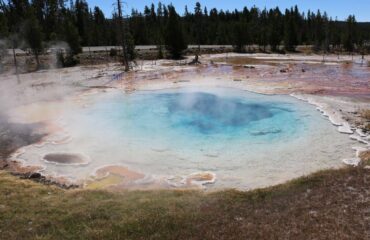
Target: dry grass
(249, 61)
(366, 114)
(365, 156)
(327, 205)
(367, 127)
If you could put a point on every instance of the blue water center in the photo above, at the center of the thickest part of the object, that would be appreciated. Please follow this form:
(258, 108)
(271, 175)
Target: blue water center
(197, 117)
(212, 114)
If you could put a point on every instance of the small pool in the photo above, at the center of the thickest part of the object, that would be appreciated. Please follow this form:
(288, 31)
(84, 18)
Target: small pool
(246, 140)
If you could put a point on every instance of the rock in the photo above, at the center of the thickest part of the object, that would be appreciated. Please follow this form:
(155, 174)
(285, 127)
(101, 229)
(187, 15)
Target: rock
(284, 70)
(4, 165)
(35, 176)
(313, 213)
(239, 219)
(358, 138)
(345, 128)
(360, 133)
(201, 178)
(352, 162)
(351, 188)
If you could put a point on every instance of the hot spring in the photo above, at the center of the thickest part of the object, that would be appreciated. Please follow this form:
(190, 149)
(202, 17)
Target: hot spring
(245, 140)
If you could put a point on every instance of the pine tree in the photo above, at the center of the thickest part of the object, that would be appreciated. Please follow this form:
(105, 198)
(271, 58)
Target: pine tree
(138, 26)
(159, 36)
(130, 47)
(72, 37)
(319, 31)
(290, 31)
(334, 34)
(274, 30)
(33, 35)
(198, 24)
(83, 21)
(99, 28)
(4, 31)
(3, 53)
(175, 41)
(350, 34)
(239, 37)
(263, 32)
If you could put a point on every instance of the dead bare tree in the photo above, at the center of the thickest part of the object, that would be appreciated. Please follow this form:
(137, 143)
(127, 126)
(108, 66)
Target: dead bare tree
(14, 43)
(12, 40)
(122, 35)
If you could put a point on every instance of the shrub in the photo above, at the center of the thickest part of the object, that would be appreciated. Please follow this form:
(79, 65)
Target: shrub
(113, 52)
(66, 61)
(70, 61)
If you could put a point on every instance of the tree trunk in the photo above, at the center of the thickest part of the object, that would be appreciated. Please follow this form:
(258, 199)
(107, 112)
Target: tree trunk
(122, 35)
(37, 60)
(16, 66)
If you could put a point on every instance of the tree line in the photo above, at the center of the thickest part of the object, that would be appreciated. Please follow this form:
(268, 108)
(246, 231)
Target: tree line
(37, 24)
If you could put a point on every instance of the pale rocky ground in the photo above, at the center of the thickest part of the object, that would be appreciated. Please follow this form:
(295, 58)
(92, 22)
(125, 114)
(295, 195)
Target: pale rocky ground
(338, 86)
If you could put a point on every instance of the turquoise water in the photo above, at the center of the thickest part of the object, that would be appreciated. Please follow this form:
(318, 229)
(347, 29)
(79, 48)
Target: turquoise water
(201, 115)
(248, 140)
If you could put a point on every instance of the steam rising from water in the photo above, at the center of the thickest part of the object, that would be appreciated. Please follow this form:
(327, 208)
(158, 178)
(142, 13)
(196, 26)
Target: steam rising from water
(246, 140)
